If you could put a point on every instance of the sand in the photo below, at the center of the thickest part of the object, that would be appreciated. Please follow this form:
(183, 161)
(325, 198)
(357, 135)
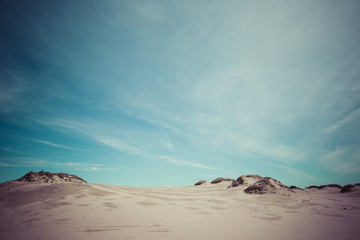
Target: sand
(210, 211)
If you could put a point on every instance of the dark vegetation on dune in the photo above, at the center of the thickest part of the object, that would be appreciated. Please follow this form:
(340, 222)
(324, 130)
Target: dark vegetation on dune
(347, 188)
(219, 180)
(266, 185)
(253, 184)
(200, 182)
(256, 184)
(49, 177)
(323, 186)
(243, 180)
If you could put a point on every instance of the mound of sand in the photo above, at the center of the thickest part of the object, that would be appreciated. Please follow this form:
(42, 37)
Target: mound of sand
(255, 184)
(324, 186)
(246, 180)
(219, 180)
(15, 194)
(48, 177)
(200, 182)
(350, 188)
(268, 185)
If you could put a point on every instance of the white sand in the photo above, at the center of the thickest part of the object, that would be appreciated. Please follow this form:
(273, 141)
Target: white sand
(209, 211)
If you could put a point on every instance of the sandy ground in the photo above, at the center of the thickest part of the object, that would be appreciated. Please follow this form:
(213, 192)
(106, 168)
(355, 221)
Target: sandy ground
(210, 211)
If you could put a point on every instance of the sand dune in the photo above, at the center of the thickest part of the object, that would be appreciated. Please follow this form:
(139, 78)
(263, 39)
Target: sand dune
(209, 211)
(48, 177)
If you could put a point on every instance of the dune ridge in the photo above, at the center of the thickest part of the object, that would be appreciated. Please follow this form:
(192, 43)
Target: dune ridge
(256, 184)
(48, 177)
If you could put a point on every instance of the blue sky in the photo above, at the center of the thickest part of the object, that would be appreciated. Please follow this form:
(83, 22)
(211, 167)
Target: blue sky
(165, 93)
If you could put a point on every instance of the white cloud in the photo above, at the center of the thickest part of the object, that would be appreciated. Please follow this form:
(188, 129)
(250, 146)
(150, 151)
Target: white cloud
(126, 148)
(24, 161)
(121, 146)
(13, 87)
(53, 144)
(38, 162)
(343, 160)
(297, 173)
(348, 167)
(347, 119)
(85, 166)
(6, 164)
(150, 11)
(175, 161)
(131, 145)
(336, 155)
(12, 150)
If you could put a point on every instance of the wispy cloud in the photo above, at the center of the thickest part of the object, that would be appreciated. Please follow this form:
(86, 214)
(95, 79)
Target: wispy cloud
(347, 168)
(121, 146)
(85, 166)
(67, 125)
(297, 173)
(126, 147)
(12, 89)
(222, 134)
(12, 150)
(38, 162)
(175, 161)
(347, 119)
(53, 144)
(150, 11)
(24, 161)
(343, 160)
(5, 164)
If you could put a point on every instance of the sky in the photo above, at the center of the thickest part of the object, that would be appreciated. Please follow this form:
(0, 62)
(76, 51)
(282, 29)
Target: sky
(166, 93)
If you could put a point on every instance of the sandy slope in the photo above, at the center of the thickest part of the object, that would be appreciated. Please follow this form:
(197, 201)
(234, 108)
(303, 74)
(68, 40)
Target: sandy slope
(210, 211)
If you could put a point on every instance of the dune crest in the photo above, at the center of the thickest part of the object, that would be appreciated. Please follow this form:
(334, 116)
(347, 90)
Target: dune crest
(246, 180)
(268, 185)
(261, 185)
(48, 177)
(254, 184)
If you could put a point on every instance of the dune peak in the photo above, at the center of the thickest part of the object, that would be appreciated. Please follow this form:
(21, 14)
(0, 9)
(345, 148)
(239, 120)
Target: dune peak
(48, 177)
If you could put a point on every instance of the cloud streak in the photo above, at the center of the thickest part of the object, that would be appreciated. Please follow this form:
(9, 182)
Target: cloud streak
(121, 145)
(38, 162)
(347, 119)
(53, 144)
